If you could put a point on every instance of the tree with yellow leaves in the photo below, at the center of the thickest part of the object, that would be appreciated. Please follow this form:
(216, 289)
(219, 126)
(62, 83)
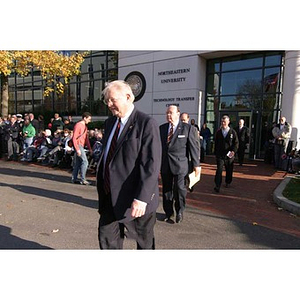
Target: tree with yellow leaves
(53, 66)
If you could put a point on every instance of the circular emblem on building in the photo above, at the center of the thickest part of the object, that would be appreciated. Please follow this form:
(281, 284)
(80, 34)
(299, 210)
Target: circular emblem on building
(137, 82)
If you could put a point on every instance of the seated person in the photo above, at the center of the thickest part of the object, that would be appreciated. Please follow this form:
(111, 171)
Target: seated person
(46, 145)
(33, 151)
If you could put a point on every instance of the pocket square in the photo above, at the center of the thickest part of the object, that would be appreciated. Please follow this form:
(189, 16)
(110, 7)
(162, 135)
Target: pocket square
(181, 136)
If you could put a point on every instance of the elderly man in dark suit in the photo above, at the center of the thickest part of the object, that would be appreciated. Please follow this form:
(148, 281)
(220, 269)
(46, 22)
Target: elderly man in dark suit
(128, 171)
(178, 141)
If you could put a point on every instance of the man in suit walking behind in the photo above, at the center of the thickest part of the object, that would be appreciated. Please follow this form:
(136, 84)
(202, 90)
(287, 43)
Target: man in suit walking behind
(226, 145)
(243, 136)
(127, 173)
(178, 142)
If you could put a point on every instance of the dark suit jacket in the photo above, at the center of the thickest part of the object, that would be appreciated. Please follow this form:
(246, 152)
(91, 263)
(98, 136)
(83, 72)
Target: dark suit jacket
(243, 134)
(229, 143)
(134, 168)
(184, 143)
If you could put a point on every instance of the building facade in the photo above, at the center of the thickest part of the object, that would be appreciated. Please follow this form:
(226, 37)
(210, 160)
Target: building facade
(258, 86)
(26, 94)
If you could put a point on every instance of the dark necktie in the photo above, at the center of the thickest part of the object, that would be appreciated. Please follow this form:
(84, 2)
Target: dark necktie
(170, 134)
(109, 157)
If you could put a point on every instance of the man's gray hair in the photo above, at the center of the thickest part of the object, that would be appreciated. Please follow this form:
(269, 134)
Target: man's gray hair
(120, 85)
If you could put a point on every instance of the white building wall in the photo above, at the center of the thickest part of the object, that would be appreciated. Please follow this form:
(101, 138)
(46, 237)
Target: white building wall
(178, 77)
(291, 93)
(172, 77)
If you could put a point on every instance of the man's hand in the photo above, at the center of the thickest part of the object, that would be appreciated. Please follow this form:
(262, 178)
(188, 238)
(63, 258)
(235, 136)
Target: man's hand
(78, 152)
(197, 171)
(138, 208)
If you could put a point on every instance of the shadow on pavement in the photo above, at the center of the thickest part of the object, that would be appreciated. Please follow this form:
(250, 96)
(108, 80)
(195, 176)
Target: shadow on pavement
(56, 195)
(258, 235)
(40, 175)
(9, 241)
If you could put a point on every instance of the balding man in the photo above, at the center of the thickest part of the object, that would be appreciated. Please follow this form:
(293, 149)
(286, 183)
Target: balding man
(179, 142)
(243, 136)
(282, 134)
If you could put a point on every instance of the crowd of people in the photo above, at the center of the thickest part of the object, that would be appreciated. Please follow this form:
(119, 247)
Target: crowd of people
(27, 139)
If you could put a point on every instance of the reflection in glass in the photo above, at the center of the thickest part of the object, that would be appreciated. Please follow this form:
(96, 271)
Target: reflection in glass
(230, 64)
(235, 82)
(273, 60)
(270, 102)
(213, 84)
(271, 76)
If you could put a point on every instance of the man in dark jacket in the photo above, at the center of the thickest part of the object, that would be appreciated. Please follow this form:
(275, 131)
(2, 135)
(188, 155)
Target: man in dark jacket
(127, 173)
(179, 143)
(13, 138)
(226, 146)
(243, 136)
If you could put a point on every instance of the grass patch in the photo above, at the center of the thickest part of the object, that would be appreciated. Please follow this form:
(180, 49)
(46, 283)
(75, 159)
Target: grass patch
(292, 190)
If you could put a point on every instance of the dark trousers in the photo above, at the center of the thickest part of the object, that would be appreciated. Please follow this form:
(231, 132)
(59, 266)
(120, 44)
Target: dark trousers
(111, 233)
(228, 163)
(241, 153)
(278, 152)
(13, 149)
(174, 189)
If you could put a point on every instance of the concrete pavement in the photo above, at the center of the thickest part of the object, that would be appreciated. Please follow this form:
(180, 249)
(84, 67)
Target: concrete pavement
(41, 209)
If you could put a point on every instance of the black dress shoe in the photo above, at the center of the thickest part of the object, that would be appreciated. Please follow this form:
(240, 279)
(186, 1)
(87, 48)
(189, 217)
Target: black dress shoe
(179, 218)
(217, 189)
(168, 219)
(227, 185)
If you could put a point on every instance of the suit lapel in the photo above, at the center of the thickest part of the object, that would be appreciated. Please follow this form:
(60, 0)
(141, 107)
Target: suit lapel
(175, 135)
(126, 130)
(110, 124)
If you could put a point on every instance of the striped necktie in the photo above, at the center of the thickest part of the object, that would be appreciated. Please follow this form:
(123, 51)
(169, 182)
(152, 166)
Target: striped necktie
(110, 154)
(170, 134)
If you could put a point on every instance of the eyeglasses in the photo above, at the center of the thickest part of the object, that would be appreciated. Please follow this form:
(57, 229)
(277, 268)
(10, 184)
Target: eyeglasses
(112, 100)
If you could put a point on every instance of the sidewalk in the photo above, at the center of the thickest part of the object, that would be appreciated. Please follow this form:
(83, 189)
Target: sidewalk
(249, 198)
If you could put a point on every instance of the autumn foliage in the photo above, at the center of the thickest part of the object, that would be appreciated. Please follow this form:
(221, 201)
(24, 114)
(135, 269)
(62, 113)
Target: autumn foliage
(53, 65)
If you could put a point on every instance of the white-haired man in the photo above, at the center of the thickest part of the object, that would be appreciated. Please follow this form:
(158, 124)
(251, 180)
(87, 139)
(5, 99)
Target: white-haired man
(127, 173)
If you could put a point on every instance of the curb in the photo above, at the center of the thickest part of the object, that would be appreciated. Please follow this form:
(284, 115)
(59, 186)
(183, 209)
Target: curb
(283, 202)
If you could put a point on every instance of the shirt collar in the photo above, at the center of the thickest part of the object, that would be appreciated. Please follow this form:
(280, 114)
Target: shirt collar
(127, 115)
(174, 125)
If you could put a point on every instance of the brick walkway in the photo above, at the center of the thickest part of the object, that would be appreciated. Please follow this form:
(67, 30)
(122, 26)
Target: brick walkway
(248, 199)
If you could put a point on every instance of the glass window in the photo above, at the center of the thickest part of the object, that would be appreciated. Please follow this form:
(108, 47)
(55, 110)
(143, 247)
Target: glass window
(99, 108)
(241, 82)
(212, 103)
(210, 117)
(273, 60)
(213, 66)
(82, 94)
(236, 102)
(112, 60)
(213, 84)
(230, 64)
(99, 63)
(271, 76)
(28, 95)
(37, 94)
(270, 102)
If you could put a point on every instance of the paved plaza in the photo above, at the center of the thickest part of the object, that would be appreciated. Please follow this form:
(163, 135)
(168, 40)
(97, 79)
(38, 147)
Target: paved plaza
(41, 209)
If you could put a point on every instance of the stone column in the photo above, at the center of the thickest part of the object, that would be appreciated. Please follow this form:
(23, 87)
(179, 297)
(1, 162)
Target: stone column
(291, 93)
